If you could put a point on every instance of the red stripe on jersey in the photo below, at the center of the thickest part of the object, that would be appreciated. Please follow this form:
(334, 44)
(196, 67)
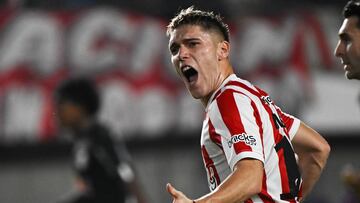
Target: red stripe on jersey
(259, 93)
(248, 201)
(259, 123)
(210, 167)
(283, 172)
(288, 122)
(286, 119)
(300, 191)
(216, 138)
(216, 95)
(242, 85)
(264, 195)
(231, 117)
(276, 133)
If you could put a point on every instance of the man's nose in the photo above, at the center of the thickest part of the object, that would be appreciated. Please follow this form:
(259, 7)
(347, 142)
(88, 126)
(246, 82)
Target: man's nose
(183, 53)
(339, 49)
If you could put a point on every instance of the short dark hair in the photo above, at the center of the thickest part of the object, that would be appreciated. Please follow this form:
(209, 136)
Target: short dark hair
(352, 8)
(205, 19)
(81, 91)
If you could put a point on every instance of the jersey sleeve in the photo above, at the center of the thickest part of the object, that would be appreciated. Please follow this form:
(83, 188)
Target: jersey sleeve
(236, 120)
(291, 123)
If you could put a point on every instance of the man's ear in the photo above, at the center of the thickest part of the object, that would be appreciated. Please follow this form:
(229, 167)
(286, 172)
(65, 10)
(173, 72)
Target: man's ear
(223, 50)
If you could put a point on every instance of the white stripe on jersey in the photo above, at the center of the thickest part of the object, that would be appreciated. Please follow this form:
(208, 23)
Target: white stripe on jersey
(264, 149)
(216, 154)
(243, 103)
(271, 158)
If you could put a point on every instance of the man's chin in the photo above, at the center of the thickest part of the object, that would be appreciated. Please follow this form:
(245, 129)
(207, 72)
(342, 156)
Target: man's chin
(352, 76)
(195, 95)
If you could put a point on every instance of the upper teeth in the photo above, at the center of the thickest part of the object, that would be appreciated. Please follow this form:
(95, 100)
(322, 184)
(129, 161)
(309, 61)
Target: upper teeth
(186, 68)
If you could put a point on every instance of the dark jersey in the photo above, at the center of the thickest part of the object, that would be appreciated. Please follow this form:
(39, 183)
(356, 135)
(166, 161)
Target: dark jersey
(96, 162)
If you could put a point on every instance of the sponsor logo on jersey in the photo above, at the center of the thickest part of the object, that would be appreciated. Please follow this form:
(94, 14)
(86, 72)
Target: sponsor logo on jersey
(212, 179)
(243, 137)
(267, 100)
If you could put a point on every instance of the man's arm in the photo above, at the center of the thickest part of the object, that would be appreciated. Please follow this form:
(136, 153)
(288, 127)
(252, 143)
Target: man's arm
(313, 151)
(244, 182)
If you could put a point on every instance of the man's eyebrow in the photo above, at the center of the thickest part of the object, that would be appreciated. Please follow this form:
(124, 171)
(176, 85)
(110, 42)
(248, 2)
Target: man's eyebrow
(191, 39)
(171, 44)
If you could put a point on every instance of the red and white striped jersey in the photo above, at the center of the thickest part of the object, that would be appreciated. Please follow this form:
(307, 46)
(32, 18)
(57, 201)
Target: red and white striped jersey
(242, 122)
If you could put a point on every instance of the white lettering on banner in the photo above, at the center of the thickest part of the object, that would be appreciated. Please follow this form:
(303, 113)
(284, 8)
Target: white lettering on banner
(32, 39)
(118, 110)
(267, 42)
(319, 37)
(155, 110)
(22, 113)
(150, 111)
(101, 39)
(105, 41)
(148, 47)
(189, 113)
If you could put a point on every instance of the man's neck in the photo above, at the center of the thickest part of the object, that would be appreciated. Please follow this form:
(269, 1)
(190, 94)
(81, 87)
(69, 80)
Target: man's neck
(222, 77)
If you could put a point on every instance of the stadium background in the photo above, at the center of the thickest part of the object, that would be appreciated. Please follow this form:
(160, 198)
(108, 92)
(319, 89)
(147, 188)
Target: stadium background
(285, 47)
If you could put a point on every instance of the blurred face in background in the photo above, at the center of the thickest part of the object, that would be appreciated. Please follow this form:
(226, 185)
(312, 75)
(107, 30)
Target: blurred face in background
(348, 47)
(195, 56)
(69, 114)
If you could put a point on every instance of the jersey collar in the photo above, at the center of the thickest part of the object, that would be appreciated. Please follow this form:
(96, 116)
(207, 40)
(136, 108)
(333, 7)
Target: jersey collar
(219, 90)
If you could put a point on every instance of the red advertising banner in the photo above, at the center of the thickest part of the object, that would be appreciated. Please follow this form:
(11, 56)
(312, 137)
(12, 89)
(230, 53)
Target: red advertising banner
(128, 56)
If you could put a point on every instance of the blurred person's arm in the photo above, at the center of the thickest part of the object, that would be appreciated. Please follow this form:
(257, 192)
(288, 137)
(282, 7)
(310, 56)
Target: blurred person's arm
(313, 151)
(129, 175)
(136, 189)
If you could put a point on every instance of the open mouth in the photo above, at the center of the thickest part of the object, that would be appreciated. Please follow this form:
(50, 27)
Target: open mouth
(190, 73)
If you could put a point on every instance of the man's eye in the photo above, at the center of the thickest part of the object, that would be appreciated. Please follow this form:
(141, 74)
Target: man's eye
(192, 44)
(174, 50)
(345, 38)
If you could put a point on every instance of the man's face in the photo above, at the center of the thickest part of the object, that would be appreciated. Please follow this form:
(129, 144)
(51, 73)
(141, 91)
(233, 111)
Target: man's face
(195, 56)
(68, 114)
(348, 47)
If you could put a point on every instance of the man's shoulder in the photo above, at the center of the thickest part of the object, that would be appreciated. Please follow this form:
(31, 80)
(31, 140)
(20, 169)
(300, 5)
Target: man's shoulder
(100, 134)
(237, 88)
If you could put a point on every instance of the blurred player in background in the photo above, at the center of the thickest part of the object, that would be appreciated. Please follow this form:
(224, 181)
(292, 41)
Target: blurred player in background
(104, 172)
(348, 46)
(248, 144)
(348, 50)
(351, 178)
